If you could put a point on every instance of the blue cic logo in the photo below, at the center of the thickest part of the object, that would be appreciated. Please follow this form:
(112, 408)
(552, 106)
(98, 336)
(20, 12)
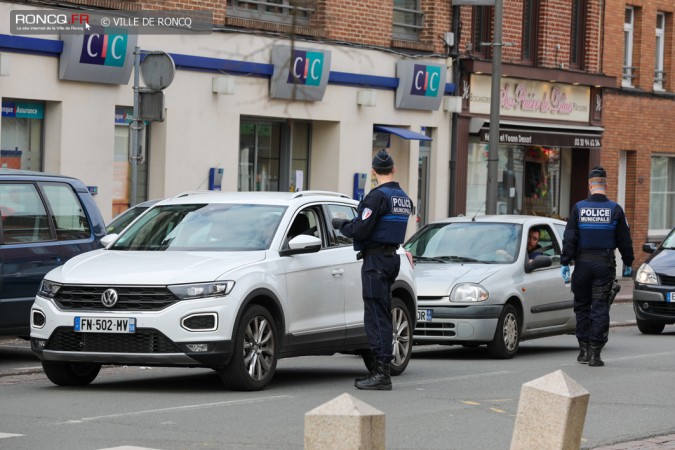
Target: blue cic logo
(104, 49)
(426, 80)
(306, 68)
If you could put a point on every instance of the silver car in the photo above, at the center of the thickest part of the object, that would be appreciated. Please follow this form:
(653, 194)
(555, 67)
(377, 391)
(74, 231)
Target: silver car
(478, 284)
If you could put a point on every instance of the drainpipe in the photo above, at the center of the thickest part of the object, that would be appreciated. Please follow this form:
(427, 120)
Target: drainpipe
(456, 74)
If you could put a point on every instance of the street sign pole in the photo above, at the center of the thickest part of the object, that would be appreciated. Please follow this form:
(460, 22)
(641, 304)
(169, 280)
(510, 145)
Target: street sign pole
(135, 127)
(493, 152)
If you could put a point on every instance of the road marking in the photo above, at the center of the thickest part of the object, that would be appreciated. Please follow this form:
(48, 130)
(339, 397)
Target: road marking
(467, 402)
(128, 447)
(460, 377)
(9, 435)
(497, 410)
(178, 408)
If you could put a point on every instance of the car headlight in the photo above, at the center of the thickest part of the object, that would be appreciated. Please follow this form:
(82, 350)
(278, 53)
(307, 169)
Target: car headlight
(202, 290)
(48, 289)
(646, 275)
(469, 292)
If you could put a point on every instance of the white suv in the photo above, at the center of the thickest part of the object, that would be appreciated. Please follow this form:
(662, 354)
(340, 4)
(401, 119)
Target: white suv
(230, 281)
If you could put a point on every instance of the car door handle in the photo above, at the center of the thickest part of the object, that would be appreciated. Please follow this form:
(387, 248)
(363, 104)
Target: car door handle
(338, 272)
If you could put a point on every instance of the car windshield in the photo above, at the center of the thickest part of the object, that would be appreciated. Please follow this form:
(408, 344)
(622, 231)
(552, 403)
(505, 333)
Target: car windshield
(669, 242)
(124, 219)
(489, 243)
(203, 227)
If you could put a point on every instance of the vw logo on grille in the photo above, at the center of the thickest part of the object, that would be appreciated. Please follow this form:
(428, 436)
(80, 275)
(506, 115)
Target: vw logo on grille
(109, 298)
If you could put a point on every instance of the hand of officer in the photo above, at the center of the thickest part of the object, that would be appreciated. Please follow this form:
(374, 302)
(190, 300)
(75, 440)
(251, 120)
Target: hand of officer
(627, 271)
(337, 223)
(565, 272)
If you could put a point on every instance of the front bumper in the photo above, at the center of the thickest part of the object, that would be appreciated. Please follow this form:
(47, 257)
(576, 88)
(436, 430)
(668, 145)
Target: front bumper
(458, 324)
(649, 303)
(159, 338)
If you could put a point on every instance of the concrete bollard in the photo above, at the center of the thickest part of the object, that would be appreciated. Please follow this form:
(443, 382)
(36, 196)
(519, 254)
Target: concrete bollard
(344, 423)
(551, 414)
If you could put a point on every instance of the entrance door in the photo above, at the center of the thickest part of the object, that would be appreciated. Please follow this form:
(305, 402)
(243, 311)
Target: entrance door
(273, 155)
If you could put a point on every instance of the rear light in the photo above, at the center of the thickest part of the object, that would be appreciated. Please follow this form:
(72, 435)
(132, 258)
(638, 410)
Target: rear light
(410, 258)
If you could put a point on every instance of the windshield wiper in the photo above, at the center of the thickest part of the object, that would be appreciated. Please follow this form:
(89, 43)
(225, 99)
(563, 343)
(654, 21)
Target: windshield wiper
(459, 259)
(427, 258)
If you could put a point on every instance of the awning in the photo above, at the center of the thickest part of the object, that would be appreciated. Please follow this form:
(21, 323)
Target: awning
(530, 133)
(402, 133)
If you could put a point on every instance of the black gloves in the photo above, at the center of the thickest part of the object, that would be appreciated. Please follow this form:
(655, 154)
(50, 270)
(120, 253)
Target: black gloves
(337, 223)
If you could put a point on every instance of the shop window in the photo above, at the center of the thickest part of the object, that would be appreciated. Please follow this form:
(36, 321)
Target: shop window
(628, 28)
(21, 135)
(578, 34)
(659, 73)
(662, 195)
(528, 180)
(273, 155)
(284, 11)
(530, 44)
(408, 20)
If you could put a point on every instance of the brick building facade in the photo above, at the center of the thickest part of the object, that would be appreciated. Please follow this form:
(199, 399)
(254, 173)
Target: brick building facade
(639, 145)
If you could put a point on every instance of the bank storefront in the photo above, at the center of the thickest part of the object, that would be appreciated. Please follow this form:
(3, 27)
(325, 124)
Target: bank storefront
(546, 144)
(232, 123)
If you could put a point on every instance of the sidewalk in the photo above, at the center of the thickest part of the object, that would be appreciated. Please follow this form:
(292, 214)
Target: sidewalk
(625, 295)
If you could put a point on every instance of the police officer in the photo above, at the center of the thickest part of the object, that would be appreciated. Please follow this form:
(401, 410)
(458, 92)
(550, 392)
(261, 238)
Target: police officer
(596, 227)
(377, 230)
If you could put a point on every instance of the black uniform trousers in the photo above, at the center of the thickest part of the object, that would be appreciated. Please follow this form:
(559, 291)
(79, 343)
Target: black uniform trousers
(378, 273)
(592, 314)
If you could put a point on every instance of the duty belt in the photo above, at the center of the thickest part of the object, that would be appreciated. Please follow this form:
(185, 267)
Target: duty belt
(387, 250)
(587, 256)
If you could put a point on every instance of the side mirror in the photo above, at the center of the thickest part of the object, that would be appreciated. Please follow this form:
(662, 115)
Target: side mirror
(649, 247)
(538, 262)
(108, 239)
(302, 244)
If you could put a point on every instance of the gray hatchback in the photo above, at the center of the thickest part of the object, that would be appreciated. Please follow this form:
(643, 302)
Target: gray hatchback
(478, 284)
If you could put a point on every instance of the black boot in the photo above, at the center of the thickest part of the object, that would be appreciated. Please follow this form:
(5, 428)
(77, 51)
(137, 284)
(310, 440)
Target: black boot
(378, 381)
(371, 364)
(583, 352)
(594, 360)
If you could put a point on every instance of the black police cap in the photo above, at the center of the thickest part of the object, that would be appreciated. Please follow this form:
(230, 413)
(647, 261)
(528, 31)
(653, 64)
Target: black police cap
(597, 172)
(383, 160)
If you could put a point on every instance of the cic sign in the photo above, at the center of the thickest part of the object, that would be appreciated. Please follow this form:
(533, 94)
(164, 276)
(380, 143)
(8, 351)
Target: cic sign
(97, 56)
(299, 74)
(421, 85)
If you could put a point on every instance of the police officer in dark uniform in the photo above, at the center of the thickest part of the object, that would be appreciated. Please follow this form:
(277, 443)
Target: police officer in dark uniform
(377, 230)
(596, 227)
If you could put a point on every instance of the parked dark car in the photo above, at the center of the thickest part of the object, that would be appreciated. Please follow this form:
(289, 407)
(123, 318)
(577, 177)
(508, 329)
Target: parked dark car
(654, 291)
(44, 221)
(120, 221)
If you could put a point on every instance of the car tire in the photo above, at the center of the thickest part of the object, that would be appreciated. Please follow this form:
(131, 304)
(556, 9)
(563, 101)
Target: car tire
(507, 336)
(402, 338)
(70, 374)
(256, 350)
(647, 327)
